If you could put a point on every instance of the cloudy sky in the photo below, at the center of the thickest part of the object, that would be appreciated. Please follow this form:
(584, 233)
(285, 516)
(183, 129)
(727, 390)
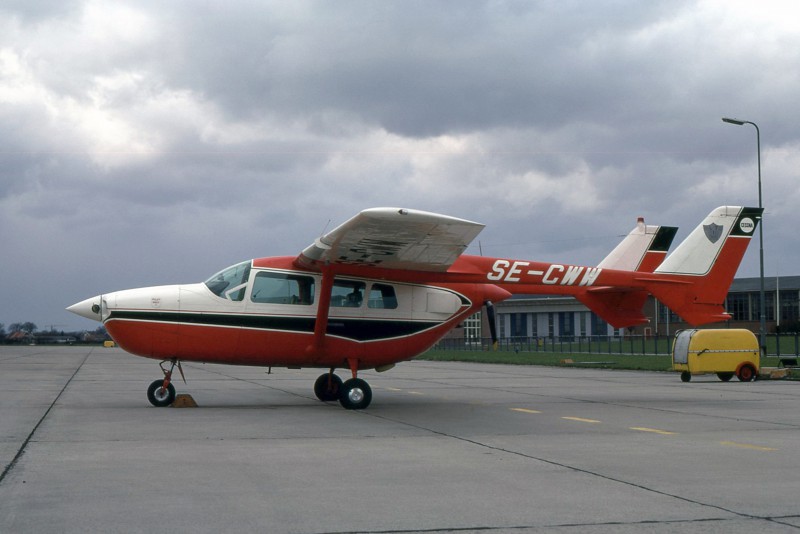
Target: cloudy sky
(152, 142)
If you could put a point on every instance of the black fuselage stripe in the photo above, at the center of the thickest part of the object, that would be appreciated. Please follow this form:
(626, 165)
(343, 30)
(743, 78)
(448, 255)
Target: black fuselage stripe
(355, 329)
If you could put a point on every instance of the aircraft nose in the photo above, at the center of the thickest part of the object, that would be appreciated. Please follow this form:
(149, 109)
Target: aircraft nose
(89, 308)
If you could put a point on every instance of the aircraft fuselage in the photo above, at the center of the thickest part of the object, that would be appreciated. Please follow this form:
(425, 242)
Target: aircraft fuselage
(266, 314)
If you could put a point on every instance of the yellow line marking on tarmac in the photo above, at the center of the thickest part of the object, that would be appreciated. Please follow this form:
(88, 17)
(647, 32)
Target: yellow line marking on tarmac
(394, 389)
(581, 420)
(415, 393)
(746, 446)
(524, 410)
(653, 430)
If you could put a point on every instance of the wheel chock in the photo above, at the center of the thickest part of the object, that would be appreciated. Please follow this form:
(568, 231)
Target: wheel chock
(773, 373)
(184, 400)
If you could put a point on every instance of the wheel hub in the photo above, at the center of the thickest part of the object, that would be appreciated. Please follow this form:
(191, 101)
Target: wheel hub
(355, 395)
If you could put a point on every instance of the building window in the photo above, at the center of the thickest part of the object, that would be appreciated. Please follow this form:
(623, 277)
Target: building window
(666, 315)
(738, 305)
(769, 306)
(566, 323)
(599, 326)
(790, 306)
(519, 325)
(472, 328)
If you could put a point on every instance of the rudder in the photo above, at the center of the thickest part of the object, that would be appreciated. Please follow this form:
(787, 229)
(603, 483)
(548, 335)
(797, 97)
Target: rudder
(700, 270)
(643, 249)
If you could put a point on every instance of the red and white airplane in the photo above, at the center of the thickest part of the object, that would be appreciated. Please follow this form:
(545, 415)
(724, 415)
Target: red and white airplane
(389, 283)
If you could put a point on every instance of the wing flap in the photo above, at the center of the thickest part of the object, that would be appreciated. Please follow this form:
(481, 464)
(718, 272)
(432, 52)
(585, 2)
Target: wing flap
(394, 238)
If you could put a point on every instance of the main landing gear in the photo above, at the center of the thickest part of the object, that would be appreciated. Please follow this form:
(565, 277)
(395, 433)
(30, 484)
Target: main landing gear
(161, 392)
(353, 394)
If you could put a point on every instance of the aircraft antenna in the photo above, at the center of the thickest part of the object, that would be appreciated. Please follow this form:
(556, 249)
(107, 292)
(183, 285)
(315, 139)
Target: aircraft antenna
(325, 228)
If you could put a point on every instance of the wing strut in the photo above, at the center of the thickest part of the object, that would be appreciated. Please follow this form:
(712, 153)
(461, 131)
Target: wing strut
(323, 309)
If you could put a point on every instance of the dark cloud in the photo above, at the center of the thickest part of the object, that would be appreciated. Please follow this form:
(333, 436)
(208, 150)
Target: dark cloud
(144, 142)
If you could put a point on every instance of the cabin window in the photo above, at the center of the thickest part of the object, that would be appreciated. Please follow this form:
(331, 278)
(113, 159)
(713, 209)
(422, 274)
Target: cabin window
(282, 288)
(347, 293)
(382, 296)
(230, 283)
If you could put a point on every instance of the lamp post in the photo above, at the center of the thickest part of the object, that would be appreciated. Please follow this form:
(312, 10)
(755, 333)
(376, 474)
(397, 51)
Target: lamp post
(762, 311)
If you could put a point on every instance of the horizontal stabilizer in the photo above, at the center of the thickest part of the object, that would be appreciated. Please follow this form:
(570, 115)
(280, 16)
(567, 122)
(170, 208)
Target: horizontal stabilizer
(618, 307)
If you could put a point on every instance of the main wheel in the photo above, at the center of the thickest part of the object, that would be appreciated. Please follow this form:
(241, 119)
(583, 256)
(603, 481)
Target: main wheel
(355, 394)
(160, 396)
(327, 387)
(725, 376)
(746, 373)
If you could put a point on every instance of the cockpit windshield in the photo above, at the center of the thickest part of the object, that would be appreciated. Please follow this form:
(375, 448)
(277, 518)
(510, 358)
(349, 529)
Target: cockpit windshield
(230, 283)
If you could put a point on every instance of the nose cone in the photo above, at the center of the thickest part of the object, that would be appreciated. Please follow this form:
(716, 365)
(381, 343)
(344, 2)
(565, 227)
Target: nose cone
(89, 308)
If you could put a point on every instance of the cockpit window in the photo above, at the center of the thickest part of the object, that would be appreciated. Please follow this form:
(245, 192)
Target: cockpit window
(347, 293)
(230, 283)
(382, 296)
(280, 288)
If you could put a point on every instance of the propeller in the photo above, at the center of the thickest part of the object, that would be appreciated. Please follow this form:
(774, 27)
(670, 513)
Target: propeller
(490, 316)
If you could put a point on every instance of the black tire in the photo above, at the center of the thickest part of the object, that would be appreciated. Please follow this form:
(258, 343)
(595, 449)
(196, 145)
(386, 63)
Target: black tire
(160, 397)
(725, 376)
(355, 394)
(746, 373)
(327, 387)
(686, 376)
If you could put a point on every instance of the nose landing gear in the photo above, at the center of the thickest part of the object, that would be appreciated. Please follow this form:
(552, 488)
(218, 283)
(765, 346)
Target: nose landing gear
(161, 393)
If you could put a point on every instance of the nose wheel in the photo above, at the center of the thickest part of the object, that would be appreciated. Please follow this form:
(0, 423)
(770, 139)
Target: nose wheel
(160, 396)
(161, 392)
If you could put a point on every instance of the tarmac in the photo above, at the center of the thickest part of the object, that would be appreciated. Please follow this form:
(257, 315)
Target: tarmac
(444, 447)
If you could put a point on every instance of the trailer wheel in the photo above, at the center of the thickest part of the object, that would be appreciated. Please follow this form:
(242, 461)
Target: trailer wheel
(686, 376)
(725, 376)
(746, 373)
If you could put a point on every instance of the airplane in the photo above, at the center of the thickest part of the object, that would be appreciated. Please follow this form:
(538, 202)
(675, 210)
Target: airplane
(386, 285)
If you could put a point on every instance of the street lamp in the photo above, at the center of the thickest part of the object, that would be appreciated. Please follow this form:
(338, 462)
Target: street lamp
(762, 311)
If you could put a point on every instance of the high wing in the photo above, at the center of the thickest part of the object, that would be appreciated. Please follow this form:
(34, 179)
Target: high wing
(394, 238)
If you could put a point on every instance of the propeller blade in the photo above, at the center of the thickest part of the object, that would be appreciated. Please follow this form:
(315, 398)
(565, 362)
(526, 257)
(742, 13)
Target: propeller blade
(490, 316)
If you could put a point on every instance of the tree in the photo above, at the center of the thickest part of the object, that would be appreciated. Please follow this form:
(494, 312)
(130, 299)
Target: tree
(28, 327)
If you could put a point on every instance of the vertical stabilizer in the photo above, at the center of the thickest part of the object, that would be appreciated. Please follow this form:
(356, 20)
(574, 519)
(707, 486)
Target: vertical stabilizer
(697, 254)
(643, 249)
(698, 274)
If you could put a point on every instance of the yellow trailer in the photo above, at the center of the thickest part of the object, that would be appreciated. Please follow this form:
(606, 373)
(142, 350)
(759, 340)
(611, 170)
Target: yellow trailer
(726, 352)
